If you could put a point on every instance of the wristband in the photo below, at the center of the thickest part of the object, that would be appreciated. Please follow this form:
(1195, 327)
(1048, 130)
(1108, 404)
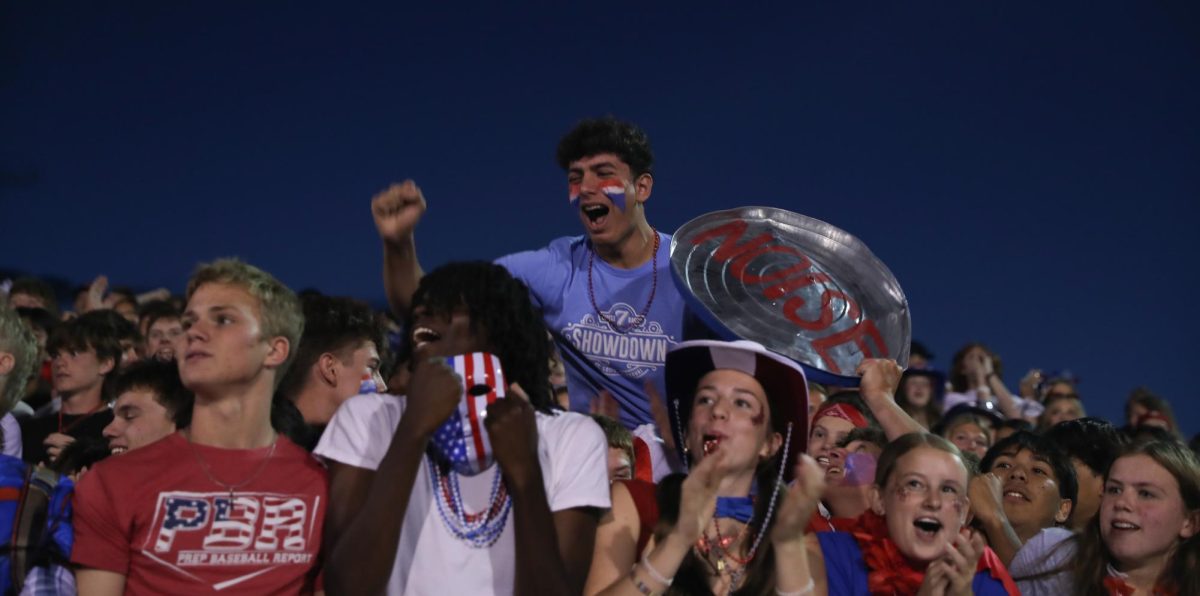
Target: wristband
(641, 587)
(658, 577)
(805, 591)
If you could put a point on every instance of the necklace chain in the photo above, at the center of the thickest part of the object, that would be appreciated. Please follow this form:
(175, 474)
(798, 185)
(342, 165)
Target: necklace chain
(232, 487)
(638, 320)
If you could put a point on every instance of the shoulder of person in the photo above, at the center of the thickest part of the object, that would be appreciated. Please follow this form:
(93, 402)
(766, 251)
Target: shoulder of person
(568, 427)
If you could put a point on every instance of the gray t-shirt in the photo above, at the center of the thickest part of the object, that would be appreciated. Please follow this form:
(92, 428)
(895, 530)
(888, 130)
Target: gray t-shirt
(1048, 550)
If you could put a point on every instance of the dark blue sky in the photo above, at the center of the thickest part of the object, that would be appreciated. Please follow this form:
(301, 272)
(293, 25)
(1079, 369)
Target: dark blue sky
(1028, 170)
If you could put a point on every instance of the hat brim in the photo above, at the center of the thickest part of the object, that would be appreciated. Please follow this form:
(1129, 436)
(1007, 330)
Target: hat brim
(782, 379)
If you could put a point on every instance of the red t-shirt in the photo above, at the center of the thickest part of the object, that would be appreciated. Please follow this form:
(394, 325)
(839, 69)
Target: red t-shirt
(155, 516)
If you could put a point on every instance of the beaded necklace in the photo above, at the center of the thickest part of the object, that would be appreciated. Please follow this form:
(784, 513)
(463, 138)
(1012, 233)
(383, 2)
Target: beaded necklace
(723, 546)
(481, 529)
(638, 320)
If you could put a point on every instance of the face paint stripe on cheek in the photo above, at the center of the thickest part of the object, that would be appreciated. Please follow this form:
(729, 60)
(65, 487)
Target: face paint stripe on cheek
(759, 418)
(573, 193)
(615, 191)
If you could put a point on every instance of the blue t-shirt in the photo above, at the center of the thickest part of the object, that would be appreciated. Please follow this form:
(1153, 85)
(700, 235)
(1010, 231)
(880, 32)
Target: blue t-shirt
(597, 356)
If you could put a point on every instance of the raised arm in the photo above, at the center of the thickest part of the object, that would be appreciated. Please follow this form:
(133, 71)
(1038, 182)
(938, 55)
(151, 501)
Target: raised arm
(880, 378)
(396, 211)
(367, 507)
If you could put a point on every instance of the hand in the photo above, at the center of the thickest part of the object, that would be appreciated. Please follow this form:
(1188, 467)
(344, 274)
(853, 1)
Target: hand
(95, 295)
(880, 377)
(397, 211)
(987, 497)
(605, 404)
(55, 443)
(1029, 384)
(937, 579)
(433, 395)
(698, 496)
(799, 502)
(662, 420)
(962, 557)
(512, 429)
(985, 367)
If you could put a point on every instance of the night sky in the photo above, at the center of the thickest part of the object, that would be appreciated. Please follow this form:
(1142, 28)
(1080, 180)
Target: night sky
(1027, 170)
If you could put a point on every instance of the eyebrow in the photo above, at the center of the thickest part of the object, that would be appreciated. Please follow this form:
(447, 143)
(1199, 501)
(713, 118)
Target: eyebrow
(1137, 484)
(735, 390)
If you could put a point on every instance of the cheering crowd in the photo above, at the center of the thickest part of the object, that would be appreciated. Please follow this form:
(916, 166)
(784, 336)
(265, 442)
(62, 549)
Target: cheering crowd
(496, 433)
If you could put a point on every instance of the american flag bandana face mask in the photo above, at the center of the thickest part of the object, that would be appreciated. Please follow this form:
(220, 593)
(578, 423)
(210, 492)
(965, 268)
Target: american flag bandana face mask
(462, 440)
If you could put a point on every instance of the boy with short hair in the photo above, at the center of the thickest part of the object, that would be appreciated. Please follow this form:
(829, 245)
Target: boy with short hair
(338, 359)
(226, 504)
(1023, 501)
(84, 352)
(151, 404)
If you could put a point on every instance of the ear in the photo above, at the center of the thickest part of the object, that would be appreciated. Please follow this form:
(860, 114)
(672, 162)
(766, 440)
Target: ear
(771, 447)
(876, 499)
(1064, 511)
(7, 363)
(327, 369)
(1191, 523)
(278, 349)
(642, 186)
(107, 366)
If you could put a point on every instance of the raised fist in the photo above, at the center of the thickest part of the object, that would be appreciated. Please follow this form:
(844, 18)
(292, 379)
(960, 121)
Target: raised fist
(397, 211)
(433, 395)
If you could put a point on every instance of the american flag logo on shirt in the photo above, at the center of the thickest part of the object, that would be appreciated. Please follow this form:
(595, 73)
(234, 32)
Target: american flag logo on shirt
(462, 439)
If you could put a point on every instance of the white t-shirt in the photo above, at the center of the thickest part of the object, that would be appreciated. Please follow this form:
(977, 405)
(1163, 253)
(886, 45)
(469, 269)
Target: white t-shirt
(429, 559)
(1044, 552)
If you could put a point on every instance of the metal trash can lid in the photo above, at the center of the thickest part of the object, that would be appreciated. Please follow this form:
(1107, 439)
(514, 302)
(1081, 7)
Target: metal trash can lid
(797, 285)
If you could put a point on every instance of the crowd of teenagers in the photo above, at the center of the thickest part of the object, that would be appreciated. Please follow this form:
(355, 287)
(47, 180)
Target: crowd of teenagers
(495, 434)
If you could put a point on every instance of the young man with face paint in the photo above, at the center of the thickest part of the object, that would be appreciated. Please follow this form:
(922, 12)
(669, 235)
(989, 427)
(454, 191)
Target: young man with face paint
(607, 295)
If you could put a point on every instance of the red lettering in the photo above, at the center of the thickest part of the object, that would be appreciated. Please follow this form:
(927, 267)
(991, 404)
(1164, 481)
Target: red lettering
(863, 334)
(791, 285)
(857, 334)
(738, 268)
(732, 232)
(825, 319)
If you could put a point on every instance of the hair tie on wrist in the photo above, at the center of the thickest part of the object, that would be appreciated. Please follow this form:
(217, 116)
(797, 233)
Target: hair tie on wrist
(660, 578)
(805, 591)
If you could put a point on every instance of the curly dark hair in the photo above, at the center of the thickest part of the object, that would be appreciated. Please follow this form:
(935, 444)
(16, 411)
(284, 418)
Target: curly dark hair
(594, 136)
(333, 325)
(499, 306)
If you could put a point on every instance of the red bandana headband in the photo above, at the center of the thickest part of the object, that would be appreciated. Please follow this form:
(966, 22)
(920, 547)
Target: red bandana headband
(846, 412)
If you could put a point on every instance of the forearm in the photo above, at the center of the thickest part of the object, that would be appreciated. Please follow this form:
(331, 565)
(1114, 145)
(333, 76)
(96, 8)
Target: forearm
(892, 418)
(1002, 538)
(352, 566)
(536, 539)
(1004, 399)
(401, 274)
(791, 566)
(664, 559)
